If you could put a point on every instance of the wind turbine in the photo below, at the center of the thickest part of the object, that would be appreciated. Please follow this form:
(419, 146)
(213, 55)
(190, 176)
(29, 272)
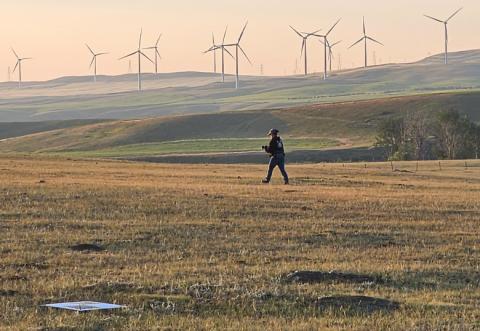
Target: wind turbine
(19, 66)
(222, 46)
(365, 38)
(94, 62)
(325, 45)
(140, 54)
(157, 53)
(330, 52)
(445, 23)
(304, 37)
(237, 48)
(214, 47)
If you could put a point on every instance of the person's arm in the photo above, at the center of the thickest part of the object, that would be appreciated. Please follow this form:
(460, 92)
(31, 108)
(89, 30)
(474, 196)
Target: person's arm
(272, 147)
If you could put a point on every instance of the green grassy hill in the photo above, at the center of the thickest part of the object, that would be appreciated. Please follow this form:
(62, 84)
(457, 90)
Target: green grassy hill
(17, 129)
(312, 127)
(194, 93)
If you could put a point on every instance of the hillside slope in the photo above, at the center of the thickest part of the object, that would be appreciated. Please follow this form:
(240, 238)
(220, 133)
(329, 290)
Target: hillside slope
(17, 129)
(352, 123)
(193, 93)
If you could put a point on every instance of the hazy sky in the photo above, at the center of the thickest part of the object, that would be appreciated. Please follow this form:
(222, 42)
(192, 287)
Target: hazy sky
(54, 32)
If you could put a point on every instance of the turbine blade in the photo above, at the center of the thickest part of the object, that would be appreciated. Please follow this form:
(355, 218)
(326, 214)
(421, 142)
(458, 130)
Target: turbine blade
(244, 54)
(360, 40)
(213, 48)
(99, 54)
(158, 53)
(158, 40)
(375, 41)
(433, 18)
(228, 52)
(296, 31)
(128, 55)
(335, 44)
(448, 19)
(15, 53)
(140, 39)
(314, 34)
(91, 62)
(364, 29)
(333, 27)
(243, 31)
(90, 49)
(224, 34)
(16, 65)
(303, 46)
(146, 57)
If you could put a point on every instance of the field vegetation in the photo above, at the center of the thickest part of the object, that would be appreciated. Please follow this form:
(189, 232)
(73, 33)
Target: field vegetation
(348, 124)
(114, 97)
(208, 247)
(202, 146)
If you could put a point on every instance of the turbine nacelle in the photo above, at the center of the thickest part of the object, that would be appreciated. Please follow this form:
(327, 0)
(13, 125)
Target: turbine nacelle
(18, 65)
(156, 53)
(445, 24)
(139, 53)
(237, 48)
(365, 38)
(304, 36)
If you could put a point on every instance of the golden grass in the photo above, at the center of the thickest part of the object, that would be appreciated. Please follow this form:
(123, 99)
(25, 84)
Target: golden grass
(205, 246)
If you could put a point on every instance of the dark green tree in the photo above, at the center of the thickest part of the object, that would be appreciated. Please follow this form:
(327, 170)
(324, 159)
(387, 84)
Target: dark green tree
(451, 133)
(390, 136)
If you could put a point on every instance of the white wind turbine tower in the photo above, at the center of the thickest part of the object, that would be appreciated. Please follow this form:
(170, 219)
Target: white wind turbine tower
(157, 53)
(330, 52)
(19, 66)
(304, 37)
(214, 47)
(365, 38)
(222, 46)
(445, 23)
(237, 58)
(94, 62)
(139, 53)
(325, 45)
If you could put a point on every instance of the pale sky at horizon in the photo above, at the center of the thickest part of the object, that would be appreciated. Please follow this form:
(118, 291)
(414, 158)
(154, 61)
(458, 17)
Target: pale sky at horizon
(54, 32)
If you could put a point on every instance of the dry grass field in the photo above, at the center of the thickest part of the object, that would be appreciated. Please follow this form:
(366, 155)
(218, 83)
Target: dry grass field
(208, 247)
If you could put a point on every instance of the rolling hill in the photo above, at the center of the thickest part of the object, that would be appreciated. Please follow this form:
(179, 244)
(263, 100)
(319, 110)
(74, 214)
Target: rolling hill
(310, 127)
(199, 93)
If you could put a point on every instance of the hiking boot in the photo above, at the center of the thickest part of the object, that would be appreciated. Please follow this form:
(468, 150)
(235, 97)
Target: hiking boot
(265, 181)
(287, 183)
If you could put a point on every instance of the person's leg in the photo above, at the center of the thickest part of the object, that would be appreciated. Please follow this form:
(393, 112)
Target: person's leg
(272, 164)
(281, 166)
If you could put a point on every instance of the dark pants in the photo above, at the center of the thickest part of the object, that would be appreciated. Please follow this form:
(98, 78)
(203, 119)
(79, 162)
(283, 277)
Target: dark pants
(277, 160)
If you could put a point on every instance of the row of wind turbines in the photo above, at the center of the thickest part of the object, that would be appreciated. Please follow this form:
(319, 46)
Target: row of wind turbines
(365, 39)
(224, 47)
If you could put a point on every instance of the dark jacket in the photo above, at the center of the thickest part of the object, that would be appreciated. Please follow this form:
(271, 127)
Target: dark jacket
(276, 146)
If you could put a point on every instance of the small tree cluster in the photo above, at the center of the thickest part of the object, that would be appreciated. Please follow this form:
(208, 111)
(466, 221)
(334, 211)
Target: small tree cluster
(418, 137)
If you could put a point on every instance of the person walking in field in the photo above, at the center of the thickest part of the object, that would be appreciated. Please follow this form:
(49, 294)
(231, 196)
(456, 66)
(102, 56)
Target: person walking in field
(277, 156)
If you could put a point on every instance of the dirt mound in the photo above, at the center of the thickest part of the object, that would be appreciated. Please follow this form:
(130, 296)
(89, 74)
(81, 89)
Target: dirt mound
(357, 304)
(320, 277)
(87, 248)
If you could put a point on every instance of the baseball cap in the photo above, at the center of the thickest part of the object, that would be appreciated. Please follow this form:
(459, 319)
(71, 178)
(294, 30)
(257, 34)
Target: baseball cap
(272, 131)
